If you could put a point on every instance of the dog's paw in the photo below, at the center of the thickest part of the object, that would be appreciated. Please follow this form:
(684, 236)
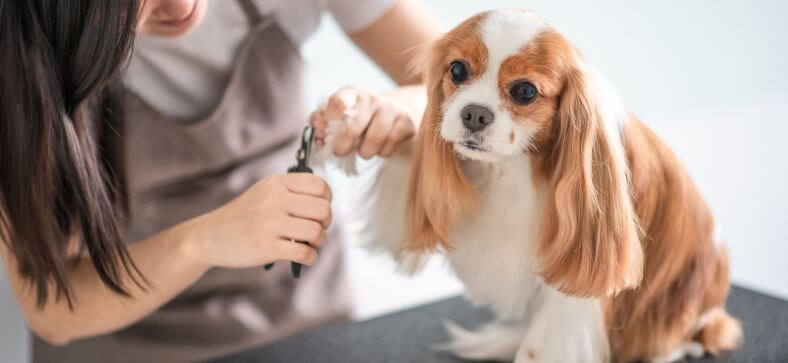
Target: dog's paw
(567, 330)
(548, 347)
(324, 155)
(494, 341)
(686, 349)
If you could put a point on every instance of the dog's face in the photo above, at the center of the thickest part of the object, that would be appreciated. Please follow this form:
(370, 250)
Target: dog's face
(505, 83)
(500, 79)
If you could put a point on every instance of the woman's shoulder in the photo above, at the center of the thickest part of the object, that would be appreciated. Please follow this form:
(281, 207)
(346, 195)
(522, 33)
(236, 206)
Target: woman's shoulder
(356, 15)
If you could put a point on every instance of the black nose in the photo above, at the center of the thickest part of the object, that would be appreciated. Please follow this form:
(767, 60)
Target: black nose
(476, 118)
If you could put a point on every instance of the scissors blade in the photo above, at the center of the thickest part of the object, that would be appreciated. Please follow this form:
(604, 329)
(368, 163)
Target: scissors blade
(304, 154)
(309, 140)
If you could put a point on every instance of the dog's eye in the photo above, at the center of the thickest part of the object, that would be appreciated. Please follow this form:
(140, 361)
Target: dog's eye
(459, 72)
(523, 92)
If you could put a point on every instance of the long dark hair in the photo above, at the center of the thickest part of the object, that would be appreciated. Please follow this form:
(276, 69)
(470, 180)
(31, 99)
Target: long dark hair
(61, 152)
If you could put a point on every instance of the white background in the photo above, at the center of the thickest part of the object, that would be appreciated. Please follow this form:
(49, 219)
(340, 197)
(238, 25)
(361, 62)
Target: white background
(708, 76)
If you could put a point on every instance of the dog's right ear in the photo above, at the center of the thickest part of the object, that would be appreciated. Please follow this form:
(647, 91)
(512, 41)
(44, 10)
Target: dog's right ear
(439, 194)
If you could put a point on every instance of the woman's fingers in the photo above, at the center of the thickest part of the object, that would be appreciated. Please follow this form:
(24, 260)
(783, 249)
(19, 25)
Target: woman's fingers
(296, 252)
(316, 121)
(309, 184)
(377, 133)
(336, 108)
(401, 130)
(310, 207)
(340, 102)
(356, 110)
(382, 124)
(305, 230)
(343, 142)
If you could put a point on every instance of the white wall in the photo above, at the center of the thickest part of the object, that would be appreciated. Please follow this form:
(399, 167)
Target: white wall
(707, 75)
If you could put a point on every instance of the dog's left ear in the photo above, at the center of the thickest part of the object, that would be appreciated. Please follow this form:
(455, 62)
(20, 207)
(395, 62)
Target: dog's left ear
(589, 242)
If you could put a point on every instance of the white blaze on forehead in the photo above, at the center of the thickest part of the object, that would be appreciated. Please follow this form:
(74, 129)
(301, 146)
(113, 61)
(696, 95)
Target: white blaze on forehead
(505, 32)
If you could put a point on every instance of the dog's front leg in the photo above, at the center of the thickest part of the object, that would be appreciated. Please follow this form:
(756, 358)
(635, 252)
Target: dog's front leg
(565, 329)
(379, 199)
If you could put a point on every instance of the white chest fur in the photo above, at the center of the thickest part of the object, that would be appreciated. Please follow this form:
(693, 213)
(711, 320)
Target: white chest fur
(495, 245)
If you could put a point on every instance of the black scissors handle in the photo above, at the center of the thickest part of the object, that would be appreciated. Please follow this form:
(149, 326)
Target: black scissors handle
(295, 267)
(302, 166)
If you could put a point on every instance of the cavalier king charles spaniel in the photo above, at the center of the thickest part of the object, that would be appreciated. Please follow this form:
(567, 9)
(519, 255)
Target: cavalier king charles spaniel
(555, 206)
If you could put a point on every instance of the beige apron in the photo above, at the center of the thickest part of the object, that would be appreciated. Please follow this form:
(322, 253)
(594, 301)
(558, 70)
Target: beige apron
(181, 170)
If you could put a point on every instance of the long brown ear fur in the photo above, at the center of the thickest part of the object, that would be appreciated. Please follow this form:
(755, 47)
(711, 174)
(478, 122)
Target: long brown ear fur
(439, 194)
(589, 242)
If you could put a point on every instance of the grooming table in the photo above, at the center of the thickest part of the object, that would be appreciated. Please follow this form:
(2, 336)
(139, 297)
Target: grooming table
(409, 335)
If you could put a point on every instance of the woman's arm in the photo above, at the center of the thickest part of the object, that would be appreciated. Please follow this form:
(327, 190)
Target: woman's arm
(253, 230)
(387, 120)
(393, 40)
(163, 259)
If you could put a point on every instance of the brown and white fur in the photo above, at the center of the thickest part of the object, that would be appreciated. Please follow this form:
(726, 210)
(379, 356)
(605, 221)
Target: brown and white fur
(569, 218)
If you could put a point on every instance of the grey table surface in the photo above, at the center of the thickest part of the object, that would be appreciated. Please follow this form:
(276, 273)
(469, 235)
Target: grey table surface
(410, 336)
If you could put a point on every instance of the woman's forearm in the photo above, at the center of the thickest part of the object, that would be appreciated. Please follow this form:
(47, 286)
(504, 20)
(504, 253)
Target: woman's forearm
(165, 260)
(394, 40)
(254, 229)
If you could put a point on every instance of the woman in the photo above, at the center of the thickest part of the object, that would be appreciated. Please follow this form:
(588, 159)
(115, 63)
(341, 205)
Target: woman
(184, 165)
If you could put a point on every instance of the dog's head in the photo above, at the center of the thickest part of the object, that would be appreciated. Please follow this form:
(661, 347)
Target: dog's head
(505, 83)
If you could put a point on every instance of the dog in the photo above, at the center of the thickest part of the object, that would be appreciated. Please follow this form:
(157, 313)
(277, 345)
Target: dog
(556, 207)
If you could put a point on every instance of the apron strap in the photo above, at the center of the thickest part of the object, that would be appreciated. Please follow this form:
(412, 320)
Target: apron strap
(252, 12)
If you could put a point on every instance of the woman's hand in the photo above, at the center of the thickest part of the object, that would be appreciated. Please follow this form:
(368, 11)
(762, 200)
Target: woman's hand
(257, 227)
(381, 123)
